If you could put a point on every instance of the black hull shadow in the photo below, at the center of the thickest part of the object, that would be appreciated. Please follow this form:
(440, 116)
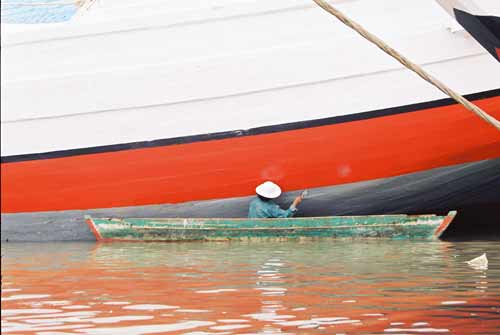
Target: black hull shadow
(472, 189)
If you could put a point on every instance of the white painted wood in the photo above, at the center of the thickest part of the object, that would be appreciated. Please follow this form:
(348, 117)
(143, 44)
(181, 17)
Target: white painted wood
(202, 79)
(124, 75)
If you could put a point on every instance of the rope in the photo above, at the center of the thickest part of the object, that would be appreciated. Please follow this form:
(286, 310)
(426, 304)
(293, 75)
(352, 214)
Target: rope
(408, 64)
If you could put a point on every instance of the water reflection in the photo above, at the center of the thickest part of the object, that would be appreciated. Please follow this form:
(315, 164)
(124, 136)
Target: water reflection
(354, 287)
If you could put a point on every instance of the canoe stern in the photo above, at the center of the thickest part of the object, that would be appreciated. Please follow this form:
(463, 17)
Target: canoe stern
(444, 224)
(93, 228)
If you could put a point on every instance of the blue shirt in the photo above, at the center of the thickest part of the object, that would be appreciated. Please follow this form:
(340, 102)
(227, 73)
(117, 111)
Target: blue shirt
(268, 209)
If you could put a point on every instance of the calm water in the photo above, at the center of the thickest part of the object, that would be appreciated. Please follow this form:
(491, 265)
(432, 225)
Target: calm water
(250, 288)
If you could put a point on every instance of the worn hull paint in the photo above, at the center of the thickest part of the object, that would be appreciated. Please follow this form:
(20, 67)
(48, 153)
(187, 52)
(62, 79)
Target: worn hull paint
(196, 229)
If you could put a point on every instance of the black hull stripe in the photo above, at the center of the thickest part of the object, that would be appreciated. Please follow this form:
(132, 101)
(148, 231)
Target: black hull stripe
(248, 132)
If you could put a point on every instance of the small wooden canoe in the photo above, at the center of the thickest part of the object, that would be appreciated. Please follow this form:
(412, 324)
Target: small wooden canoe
(397, 226)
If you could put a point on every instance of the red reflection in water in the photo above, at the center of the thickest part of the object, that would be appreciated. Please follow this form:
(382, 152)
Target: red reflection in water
(141, 290)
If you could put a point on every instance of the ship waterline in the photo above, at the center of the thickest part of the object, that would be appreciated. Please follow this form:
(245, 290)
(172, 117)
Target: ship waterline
(433, 191)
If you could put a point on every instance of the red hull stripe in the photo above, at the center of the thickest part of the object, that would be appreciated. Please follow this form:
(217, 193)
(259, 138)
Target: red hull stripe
(302, 158)
(249, 132)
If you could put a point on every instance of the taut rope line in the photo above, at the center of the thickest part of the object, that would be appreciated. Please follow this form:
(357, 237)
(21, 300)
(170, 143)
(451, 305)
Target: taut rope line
(407, 63)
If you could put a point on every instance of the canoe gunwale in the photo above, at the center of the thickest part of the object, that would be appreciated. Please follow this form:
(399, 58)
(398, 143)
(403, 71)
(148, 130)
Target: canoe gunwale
(280, 228)
(275, 219)
(440, 223)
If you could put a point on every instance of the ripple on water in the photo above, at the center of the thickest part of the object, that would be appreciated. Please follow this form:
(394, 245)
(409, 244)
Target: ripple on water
(116, 319)
(221, 290)
(76, 307)
(319, 321)
(22, 327)
(149, 307)
(332, 319)
(232, 320)
(207, 333)
(309, 326)
(297, 323)
(147, 329)
(10, 312)
(229, 327)
(273, 289)
(274, 264)
(315, 279)
(416, 330)
(25, 297)
(269, 316)
(81, 314)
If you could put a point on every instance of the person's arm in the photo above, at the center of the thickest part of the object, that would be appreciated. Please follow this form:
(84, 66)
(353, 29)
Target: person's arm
(293, 207)
(296, 202)
(276, 212)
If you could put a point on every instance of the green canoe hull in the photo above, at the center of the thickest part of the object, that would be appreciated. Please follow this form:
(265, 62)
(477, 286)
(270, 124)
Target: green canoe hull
(426, 227)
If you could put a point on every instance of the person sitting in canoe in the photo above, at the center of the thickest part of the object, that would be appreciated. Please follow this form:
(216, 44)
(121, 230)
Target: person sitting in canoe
(264, 207)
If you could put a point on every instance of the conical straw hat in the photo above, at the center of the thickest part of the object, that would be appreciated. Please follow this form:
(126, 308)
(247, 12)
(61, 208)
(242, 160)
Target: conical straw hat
(268, 190)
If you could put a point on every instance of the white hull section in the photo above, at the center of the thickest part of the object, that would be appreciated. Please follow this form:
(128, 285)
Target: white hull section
(121, 75)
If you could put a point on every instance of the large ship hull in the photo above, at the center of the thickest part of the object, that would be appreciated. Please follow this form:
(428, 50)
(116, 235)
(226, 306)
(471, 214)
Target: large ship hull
(183, 115)
(421, 158)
